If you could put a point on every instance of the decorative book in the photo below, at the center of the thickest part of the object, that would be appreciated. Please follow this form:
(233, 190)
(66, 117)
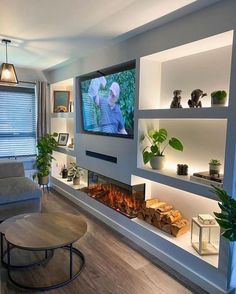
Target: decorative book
(206, 182)
(207, 176)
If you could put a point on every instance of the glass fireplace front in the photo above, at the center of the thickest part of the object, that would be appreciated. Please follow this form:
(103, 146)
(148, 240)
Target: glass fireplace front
(119, 196)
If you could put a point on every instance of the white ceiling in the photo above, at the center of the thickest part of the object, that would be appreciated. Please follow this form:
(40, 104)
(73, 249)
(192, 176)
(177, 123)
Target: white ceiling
(46, 33)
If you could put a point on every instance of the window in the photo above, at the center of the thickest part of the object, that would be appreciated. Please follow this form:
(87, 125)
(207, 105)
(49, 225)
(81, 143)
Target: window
(17, 121)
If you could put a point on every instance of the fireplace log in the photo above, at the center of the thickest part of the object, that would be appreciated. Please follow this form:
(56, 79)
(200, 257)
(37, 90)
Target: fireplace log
(180, 227)
(166, 228)
(172, 216)
(141, 215)
(162, 215)
(156, 222)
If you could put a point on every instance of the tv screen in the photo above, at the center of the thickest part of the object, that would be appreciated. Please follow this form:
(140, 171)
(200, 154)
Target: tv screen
(107, 101)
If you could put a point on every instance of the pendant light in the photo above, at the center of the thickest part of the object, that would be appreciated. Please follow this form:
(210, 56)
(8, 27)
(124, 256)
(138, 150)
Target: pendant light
(7, 71)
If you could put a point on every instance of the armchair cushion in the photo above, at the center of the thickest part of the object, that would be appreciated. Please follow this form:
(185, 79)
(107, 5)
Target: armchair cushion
(11, 168)
(16, 189)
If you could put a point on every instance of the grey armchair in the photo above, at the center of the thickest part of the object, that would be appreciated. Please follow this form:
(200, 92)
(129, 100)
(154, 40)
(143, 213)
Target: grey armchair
(18, 194)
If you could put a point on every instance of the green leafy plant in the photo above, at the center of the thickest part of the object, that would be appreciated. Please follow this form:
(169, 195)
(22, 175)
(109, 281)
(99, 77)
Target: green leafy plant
(214, 162)
(46, 145)
(220, 94)
(227, 218)
(156, 138)
(74, 171)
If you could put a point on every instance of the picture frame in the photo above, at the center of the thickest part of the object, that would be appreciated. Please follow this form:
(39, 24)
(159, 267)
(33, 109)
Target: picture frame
(61, 101)
(63, 139)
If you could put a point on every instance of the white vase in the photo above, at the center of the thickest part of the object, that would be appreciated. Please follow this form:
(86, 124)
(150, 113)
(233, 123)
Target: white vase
(218, 103)
(157, 162)
(214, 170)
(76, 181)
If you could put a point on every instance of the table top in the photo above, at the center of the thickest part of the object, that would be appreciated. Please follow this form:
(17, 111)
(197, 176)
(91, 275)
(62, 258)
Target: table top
(40, 231)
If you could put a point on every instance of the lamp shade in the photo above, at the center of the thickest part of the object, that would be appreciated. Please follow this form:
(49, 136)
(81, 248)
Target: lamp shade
(8, 73)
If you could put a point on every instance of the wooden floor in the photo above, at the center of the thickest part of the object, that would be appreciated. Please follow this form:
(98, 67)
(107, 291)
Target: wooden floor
(112, 265)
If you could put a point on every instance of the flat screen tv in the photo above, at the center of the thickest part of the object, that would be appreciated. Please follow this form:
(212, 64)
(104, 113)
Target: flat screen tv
(107, 101)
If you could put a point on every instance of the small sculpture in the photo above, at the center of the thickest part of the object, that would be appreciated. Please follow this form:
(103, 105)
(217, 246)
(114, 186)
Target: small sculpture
(176, 102)
(182, 169)
(195, 96)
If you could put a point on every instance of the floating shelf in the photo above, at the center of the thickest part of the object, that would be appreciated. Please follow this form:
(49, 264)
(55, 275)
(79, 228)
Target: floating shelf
(183, 241)
(70, 184)
(62, 115)
(66, 150)
(185, 113)
(170, 178)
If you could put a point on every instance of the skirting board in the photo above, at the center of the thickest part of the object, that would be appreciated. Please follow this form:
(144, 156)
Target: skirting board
(85, 202)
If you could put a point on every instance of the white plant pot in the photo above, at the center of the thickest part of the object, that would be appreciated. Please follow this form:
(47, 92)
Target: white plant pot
(218, 103)
(214, 169)
(76, 181)
(157, 162)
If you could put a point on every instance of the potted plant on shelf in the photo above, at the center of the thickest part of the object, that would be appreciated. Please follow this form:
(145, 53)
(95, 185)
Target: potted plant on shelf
(227, 218)
(75, 172)
(46, 145)
(155, 154)
(214, 167)
(218, 98)
(227, 222)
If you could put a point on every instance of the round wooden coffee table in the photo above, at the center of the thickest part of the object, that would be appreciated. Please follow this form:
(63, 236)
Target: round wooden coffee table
(42, 232)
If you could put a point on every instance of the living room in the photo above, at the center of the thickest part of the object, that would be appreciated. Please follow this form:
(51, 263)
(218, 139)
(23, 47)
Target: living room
(135, 55)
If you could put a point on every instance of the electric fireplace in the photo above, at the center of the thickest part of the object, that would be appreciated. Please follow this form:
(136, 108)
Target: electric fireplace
(118, 196)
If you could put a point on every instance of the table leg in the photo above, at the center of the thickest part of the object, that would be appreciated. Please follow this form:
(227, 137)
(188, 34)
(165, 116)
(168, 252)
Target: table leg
(71, 261)
(1, 247)
(8, 258)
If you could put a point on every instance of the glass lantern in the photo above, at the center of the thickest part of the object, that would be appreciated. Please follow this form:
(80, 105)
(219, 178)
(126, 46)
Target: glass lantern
(204, 237)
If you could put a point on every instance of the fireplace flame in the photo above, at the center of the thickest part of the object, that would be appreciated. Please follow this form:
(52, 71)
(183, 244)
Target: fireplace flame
(112, 196)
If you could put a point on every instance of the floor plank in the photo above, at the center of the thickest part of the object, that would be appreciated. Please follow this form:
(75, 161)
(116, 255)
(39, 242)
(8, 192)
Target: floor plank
(112, 265)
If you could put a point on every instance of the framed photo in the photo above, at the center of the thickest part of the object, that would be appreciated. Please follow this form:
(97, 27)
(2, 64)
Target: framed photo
(61, 101)
(63, 139)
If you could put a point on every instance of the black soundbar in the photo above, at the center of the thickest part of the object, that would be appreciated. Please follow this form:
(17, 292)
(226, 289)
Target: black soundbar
(101, 156)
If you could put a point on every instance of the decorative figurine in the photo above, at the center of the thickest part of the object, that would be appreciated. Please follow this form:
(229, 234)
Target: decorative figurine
(64, 172)
(182, 169)
(176, 102)
(195, 96)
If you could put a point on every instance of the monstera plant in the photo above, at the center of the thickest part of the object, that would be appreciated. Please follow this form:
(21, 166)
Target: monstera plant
(154, 153)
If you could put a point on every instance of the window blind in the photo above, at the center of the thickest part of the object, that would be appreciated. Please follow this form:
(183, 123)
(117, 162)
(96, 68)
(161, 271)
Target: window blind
(17, 121)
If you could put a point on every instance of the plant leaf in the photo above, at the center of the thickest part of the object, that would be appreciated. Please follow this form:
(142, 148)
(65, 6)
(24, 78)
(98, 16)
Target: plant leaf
(154, 149)
(160, 136)
(176, 144)
(224, 224)
(223, 216)
(151, 133)
(146, 157)
(222, 207)
(142, 137)
(229, 234)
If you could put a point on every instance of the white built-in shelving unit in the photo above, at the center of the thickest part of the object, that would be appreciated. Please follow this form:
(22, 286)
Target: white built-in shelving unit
(63, 122)
(204, 64)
